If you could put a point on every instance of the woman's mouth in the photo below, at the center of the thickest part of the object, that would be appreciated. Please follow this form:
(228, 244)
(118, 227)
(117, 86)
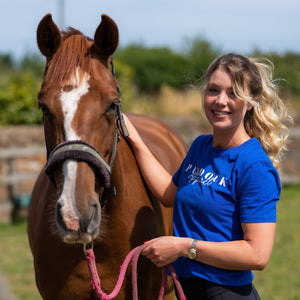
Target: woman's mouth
(220, 113)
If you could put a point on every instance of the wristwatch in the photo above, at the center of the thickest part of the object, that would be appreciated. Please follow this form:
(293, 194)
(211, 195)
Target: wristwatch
(193, 251)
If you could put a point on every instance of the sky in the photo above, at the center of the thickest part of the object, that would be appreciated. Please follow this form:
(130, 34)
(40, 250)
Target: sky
(231, 25)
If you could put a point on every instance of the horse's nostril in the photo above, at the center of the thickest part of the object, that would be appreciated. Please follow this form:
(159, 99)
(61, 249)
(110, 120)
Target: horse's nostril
(94, 222)
(59, 217)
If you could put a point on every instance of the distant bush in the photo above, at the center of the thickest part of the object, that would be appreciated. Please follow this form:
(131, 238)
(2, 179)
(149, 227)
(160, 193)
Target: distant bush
(156, 67)
(199, 55)
(153, 67)
(287, 67)
(139, 70)
(18, 99)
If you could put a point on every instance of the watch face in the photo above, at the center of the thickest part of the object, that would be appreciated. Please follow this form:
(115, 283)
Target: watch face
(192, 254)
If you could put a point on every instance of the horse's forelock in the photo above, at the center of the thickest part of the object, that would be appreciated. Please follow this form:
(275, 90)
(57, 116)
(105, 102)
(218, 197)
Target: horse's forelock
(73, 54)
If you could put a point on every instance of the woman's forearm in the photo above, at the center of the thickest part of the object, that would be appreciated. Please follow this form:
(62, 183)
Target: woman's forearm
(155, 175)
(251, 253)
(235, 255)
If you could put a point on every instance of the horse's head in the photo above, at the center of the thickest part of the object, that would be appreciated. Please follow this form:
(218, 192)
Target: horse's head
(80, 99)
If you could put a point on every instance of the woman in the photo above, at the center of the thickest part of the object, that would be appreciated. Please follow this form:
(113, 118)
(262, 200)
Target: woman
(225, 192)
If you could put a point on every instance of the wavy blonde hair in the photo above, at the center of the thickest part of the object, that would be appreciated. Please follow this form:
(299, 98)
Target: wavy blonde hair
(253, 82)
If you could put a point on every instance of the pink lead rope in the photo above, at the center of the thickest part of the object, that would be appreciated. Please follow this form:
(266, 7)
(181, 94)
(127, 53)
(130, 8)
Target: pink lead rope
(134, 256)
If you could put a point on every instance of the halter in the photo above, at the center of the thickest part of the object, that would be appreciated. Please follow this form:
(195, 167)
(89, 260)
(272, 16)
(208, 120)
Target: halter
(82, 151)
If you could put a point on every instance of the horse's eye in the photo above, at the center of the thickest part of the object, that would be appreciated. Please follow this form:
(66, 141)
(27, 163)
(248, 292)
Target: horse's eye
(44, 109)
(113, 105)
(67, 88)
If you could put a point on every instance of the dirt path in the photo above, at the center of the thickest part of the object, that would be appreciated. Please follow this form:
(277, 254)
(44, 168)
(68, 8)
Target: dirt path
(5, 294)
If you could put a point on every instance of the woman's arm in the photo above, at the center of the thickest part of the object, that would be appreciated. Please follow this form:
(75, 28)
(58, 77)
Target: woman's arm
(157, 178)
(251, 253)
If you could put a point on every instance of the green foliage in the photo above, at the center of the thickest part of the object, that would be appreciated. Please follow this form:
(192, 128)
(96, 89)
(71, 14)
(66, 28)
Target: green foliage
(140, 70)
(18, 99)
(124, 75)
(156, 67)
(287, 67)
(153, 67)
(6, 62)
(19, 86)
(33, 63)
(199, 55)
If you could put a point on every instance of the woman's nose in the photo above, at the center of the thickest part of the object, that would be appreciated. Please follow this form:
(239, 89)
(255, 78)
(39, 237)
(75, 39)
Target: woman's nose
(221, 98)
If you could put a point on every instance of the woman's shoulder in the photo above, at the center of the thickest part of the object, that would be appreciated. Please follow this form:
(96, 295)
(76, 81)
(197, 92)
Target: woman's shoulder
(253, 151)
(255, 171)
(201, 143)
(252, 158)
(203, 139)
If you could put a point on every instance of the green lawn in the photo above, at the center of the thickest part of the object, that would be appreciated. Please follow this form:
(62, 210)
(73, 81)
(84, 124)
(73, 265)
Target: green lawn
(280, 280)
(16, 263)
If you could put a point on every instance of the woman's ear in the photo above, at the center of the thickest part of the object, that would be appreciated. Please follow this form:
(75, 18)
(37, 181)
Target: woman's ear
(249, 106)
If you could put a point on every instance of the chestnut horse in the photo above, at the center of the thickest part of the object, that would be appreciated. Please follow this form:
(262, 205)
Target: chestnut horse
(94, 190)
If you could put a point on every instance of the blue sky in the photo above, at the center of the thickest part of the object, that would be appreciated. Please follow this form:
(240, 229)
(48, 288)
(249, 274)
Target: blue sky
(232, 25)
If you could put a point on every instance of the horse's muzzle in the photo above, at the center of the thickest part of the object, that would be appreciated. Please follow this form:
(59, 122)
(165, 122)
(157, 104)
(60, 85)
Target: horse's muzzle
(76, 228)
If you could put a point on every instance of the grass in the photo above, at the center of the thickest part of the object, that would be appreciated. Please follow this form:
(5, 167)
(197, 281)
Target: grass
(16, 262)
(280, 280)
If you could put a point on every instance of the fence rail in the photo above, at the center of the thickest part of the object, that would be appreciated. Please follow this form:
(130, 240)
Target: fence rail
(9, 155)
(15, 152)
(14, 174)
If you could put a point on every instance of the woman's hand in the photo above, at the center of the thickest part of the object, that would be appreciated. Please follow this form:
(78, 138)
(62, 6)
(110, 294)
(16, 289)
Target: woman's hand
(133, 134)
(166, 249)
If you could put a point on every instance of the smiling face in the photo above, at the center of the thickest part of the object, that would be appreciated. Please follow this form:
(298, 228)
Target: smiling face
(223, 109)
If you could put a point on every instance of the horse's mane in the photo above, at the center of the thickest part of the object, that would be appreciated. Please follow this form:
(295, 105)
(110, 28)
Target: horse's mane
(73, 53)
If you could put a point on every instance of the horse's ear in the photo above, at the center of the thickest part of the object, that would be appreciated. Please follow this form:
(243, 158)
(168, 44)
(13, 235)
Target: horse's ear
(106, 37)
(48, 37)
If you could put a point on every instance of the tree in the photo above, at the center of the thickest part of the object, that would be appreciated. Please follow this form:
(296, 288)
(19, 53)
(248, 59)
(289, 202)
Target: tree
(153, 67)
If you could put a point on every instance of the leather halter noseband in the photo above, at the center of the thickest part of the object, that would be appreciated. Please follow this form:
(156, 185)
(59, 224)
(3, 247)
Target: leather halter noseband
(82, 151)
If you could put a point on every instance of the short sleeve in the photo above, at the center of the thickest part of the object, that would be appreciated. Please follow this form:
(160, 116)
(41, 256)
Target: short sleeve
(257, 193)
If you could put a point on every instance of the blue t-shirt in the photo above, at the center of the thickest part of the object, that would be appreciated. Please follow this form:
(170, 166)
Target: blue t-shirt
(218, 189)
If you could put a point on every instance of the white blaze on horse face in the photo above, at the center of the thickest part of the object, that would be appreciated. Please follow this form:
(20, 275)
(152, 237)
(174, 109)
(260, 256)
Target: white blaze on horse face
(69, 102)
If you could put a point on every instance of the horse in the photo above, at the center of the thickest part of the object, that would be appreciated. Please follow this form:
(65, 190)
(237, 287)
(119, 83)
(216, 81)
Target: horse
(90, 193)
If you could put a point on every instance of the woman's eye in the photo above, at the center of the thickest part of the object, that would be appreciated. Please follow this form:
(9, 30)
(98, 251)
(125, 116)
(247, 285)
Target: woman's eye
(232, 95)
(213, 91)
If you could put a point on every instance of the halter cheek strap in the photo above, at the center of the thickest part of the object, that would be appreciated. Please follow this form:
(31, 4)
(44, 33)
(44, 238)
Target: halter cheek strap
(120, 120)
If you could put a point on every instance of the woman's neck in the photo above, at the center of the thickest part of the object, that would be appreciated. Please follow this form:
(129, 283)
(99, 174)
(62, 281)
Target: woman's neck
(225, 139)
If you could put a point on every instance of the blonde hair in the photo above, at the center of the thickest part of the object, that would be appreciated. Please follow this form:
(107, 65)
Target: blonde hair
(253, 82)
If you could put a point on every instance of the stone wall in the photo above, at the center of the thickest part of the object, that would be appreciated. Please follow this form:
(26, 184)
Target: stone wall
(22, 156)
